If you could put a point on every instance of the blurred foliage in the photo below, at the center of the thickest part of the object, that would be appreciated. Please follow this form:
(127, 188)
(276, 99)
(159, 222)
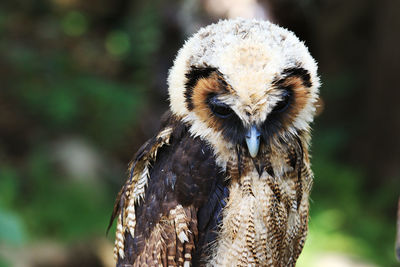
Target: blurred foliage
(345, 218)
(67, 74)
(74, 23)
(11, 224)
(70, 68)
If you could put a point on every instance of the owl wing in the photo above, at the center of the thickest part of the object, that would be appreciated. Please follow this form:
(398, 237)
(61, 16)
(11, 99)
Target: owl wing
(172, 179)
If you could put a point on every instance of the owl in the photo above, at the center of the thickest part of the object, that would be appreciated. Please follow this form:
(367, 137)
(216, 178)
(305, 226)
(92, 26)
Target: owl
(226, 180)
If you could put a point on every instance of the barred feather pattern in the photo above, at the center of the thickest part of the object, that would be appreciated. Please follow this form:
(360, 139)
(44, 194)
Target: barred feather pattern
(119, 240)
(185, 244)
(142, 177)
(171, 242)
(131, 216)
(134, 191)
(155, 247)
(264, 224)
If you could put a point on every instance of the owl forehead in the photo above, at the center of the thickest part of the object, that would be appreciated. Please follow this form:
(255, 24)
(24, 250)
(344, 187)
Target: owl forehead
(248, 67)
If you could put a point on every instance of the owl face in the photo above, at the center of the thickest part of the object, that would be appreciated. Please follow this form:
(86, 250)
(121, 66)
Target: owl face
(244, 83)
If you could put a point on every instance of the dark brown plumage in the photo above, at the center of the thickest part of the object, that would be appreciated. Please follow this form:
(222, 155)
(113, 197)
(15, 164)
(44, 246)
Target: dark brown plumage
(182, 174)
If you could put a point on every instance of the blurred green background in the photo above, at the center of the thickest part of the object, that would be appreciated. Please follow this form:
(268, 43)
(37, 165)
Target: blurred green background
(83, 84)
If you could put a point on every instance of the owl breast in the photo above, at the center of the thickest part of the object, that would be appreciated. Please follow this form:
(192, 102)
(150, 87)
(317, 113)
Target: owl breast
(265, 220)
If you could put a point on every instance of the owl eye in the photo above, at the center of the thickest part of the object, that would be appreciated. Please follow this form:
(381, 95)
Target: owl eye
(220, 109)
(283, 104)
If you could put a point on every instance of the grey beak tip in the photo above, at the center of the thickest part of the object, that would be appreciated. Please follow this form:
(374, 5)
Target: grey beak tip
(253, 141)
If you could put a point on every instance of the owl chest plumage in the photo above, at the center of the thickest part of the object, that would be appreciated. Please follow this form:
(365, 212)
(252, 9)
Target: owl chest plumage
(265, 220)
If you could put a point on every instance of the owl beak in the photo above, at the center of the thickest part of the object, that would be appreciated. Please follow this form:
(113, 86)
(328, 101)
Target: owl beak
(253, 141)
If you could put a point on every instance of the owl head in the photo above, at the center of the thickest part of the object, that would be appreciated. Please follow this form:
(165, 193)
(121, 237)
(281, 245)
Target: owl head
(244, 83)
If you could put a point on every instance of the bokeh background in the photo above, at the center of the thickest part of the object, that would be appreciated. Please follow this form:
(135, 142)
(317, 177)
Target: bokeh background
(83, 84)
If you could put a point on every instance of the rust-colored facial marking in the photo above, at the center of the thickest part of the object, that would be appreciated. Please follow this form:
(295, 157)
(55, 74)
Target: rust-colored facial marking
(296, 84)
(205, 94)
(207, 85)
(204, 88)
(299, 100)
